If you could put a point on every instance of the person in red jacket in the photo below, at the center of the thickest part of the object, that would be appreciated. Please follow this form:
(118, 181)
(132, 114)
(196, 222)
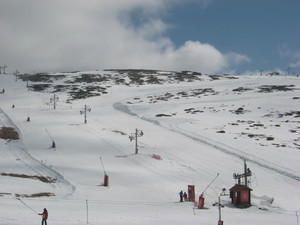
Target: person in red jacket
(44, 215)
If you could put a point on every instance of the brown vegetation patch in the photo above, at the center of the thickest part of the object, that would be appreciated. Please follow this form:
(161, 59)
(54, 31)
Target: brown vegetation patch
(40, 178)
(259, 136)
(192, 110)
(119, 132)
(163, 115)
(195, 93)
(273, 88)
(35, 195)
(4, 193)
(241, 89)
(8, 133)
(239, 110)
(40, 77)
(221, 131)
(39, 87)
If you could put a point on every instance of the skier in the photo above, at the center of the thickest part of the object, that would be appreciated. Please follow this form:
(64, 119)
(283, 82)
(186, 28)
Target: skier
(185, 196)
(44, 215)
(53, 144)
(181, 196)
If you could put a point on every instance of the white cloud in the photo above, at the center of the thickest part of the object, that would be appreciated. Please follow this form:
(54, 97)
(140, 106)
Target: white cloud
(295, 64)
(236, 59)
(153, 28)
(196, 56)
(292, 55)
(78, 34)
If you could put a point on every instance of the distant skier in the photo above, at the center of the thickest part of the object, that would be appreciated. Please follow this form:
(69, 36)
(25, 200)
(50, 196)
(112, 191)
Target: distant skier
(181, 196)
(53, 144)
(28, 119)
(185, 197)
(44, 215)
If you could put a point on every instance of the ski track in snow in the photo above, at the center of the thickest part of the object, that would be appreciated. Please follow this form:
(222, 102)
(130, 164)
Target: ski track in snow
(229, 150)
(17, 148)
(135, 160)
(108, 209)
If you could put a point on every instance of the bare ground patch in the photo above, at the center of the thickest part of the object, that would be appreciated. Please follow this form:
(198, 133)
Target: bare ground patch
(8, 133)
(163, 115)
(34, 177)
(4, 194)
(119, 132)
(35, 195)
(274, 88)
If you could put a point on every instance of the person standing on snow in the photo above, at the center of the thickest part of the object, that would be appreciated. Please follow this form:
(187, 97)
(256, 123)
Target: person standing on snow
(185, 196)
(181, 196)
(44, 215)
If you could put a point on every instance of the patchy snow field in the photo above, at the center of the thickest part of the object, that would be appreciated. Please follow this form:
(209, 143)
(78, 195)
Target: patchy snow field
(199, 129)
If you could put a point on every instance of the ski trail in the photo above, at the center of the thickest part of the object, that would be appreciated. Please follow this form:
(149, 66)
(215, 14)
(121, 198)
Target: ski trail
(133, 157)
(18, 149)
(236, 153)
(218, 146)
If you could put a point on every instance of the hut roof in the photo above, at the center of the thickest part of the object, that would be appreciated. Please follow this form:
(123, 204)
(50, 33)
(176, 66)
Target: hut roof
(238, 187)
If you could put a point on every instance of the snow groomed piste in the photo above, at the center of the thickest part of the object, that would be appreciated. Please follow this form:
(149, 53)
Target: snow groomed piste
(198, 129)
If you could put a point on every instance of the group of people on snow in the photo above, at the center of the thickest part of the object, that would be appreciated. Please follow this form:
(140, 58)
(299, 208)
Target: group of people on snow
(183, 196)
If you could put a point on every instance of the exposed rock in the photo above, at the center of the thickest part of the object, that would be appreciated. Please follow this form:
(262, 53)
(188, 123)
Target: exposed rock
(8, 133)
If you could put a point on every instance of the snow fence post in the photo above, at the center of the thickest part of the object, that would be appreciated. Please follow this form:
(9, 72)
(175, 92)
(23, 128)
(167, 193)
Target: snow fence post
(87, 212)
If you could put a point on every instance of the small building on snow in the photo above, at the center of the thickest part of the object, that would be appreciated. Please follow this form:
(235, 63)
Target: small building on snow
(240, 196)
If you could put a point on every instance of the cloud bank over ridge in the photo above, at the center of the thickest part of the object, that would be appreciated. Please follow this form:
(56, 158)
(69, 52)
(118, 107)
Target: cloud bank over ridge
(78, 34)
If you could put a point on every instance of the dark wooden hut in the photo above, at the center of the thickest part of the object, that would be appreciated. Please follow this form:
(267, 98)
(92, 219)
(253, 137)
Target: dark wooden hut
(240, 196)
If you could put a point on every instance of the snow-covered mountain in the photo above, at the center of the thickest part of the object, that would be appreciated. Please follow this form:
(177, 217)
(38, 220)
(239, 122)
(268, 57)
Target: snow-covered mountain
(196, 127)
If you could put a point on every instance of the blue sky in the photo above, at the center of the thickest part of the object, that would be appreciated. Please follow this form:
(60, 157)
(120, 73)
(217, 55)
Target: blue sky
(209, 36)
(267, 31)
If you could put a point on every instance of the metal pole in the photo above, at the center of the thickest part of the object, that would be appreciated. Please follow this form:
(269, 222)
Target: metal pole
(136, 137)
(49, 134)
(297, 215)
(102, 165)
(4, 68)
(210, 183)
(85, 107)
(54, 101)
(245, 172)
(219, 198)
(87, 212)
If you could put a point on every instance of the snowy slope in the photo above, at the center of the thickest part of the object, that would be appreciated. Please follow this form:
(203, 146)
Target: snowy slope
(195, 127)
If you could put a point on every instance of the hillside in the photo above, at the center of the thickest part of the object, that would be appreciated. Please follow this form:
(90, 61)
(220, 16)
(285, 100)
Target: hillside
(194, 126)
